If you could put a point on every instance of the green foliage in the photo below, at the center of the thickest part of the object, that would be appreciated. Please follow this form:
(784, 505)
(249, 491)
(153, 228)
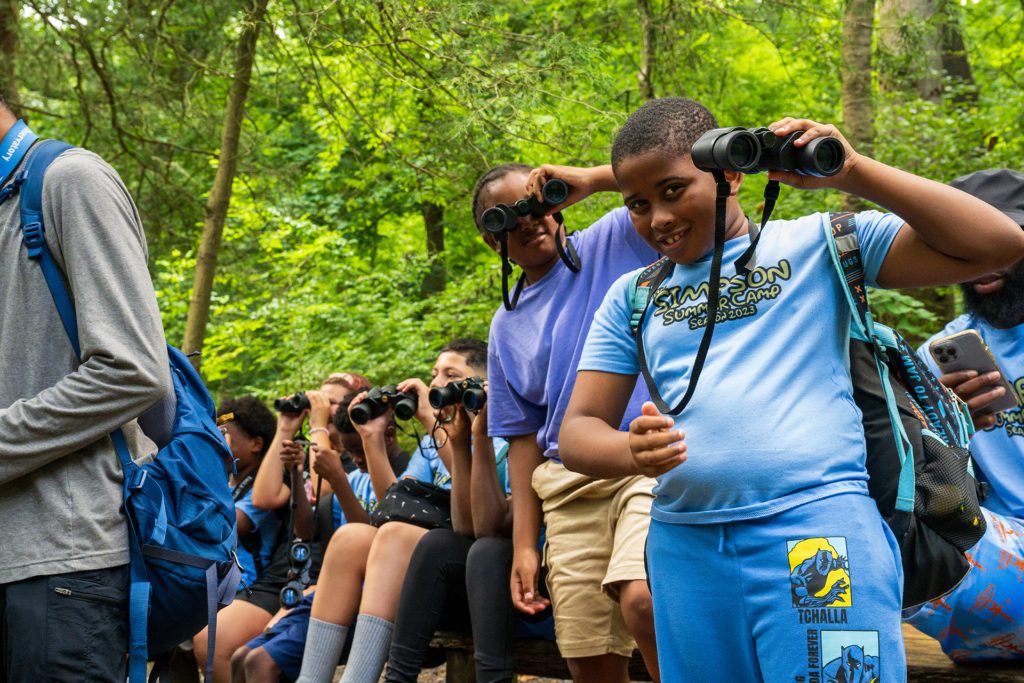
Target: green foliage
(362, 112)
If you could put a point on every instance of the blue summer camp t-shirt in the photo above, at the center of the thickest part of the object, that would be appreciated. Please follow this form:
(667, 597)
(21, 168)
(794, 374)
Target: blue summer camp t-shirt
(534, 350)
(265, 528)
(999, 450)
(426, 465)
(772, 423)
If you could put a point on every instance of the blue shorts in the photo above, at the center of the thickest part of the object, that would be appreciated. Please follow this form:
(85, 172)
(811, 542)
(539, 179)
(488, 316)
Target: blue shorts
(285, 641)
(982, 619)
(811, 595)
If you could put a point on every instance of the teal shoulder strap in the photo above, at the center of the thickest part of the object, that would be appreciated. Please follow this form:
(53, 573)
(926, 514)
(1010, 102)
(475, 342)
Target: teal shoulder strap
(844, 250)
(641, 288)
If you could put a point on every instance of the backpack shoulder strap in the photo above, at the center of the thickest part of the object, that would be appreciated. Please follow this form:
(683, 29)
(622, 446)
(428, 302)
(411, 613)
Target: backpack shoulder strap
(844, 250)
(641, 290)
(34, 233)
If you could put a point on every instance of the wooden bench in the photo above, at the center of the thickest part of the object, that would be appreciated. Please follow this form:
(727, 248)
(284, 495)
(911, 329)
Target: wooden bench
(925, 662)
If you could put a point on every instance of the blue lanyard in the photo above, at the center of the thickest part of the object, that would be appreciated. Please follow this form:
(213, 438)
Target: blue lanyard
(13, 148)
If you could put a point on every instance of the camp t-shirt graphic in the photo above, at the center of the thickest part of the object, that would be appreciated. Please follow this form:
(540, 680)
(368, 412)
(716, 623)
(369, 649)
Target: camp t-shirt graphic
(998, 451)
(772, 423)
(738, 297)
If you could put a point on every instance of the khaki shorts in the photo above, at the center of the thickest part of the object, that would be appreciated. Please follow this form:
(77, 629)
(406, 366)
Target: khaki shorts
(596, 532)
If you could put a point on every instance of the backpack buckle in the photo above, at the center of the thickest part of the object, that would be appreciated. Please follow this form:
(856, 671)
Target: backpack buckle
(34, 238)
(879, 349)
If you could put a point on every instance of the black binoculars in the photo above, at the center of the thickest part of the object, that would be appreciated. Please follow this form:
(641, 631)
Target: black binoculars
(295, 404)
(300, 560)
(502, 218)
(470, 392)
(755, 150)
(377, 400)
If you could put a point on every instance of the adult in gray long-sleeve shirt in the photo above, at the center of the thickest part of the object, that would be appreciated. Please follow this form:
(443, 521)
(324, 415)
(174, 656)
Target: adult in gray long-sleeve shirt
(62, 526)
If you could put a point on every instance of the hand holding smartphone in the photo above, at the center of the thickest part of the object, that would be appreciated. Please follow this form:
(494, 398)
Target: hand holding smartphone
(965, 351)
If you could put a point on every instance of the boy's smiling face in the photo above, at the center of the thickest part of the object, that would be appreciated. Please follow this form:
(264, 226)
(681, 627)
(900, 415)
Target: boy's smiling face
(672, 203)
(532, 244)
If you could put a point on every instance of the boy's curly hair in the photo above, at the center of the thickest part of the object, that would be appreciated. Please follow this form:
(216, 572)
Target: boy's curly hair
(473, 350)
(490, 176)
(253, 417)
(672, 124)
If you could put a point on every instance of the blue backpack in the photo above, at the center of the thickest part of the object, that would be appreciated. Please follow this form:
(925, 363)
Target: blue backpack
(181, 516)
(916, 431)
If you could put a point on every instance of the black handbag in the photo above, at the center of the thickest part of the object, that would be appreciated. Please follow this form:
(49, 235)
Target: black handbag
(415, 502)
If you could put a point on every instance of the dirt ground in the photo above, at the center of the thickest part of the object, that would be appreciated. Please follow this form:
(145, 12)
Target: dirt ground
(437, 676)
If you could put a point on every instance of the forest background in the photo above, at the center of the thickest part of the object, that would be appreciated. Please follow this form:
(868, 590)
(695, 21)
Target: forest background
(304, 169)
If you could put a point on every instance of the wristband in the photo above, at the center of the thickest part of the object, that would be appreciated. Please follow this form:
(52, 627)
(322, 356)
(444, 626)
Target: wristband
(319, 429)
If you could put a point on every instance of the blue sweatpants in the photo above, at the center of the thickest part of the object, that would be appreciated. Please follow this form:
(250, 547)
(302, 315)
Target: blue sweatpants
(810, 595)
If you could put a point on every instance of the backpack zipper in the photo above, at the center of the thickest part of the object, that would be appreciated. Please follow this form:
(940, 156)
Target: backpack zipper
(91, 597)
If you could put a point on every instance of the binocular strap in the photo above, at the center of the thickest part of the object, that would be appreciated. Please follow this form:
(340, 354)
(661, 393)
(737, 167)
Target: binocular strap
(566, 253)
(745, 262)
(714, 286)
(506, 270)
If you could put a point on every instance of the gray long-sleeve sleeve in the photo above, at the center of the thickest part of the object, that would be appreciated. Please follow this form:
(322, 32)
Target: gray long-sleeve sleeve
(55, 413)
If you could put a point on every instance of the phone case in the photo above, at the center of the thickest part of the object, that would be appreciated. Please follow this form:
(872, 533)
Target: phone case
(968, 351)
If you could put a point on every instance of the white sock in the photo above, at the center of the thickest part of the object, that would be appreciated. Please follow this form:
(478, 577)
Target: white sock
(370, 647)
(324, 642)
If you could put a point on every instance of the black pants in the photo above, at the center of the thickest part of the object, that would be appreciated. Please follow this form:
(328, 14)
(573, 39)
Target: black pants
(67, 627)
(455, 583)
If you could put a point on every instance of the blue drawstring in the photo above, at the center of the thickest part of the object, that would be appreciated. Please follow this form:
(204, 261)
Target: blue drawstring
(721, 537)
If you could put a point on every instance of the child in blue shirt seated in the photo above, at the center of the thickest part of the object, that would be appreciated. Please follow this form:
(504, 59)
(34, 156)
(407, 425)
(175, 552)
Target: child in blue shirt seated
(248, 427)
(364, 567)
(458, 579)
(767, 559)
(277, 653)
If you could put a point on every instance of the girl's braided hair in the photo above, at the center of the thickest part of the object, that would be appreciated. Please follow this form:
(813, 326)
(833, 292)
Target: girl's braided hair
(492, 175)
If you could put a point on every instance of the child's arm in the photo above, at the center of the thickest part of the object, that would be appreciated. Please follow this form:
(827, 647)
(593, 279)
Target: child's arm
(949, 237)
(582, 182)
(327, 463)
(524, 456)
(492, 514)
(373, 434)
(269, 491)
(590, 444)
(458, 442)
(427, 416)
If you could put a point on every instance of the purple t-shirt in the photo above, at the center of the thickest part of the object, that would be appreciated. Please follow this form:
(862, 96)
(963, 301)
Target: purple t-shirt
(534, 350)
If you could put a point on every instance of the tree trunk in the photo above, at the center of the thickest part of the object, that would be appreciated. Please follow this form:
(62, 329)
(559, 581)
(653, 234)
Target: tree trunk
(954, 56)
(9, 10)
(433, 218)
(916, 63)
(858, 103)
(646, 50)
(220, 194)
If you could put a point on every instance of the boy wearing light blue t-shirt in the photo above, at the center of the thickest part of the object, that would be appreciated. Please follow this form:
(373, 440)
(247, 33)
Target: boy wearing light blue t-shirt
(768, 560)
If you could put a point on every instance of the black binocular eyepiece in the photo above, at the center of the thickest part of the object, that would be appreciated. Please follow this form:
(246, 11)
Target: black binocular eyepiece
(758, 149)
(470, 392)
(300, 560)
(294, 404)
(404, 403)
(502, 218)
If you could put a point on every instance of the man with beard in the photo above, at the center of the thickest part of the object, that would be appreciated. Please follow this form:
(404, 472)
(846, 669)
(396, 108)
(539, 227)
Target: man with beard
(995, 308)
(983, 618)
